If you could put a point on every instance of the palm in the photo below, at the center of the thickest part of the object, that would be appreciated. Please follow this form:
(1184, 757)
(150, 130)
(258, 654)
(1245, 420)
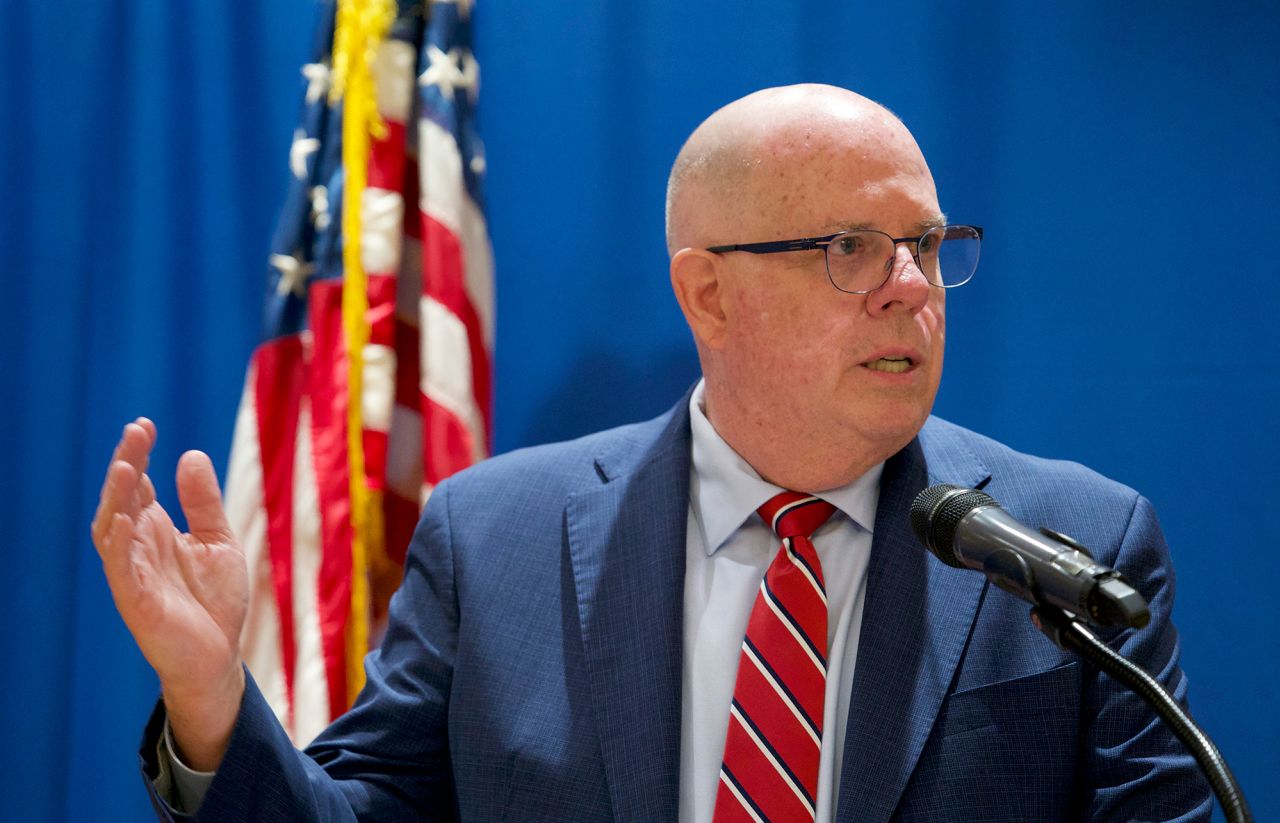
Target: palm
(189, 602)
(182, 595)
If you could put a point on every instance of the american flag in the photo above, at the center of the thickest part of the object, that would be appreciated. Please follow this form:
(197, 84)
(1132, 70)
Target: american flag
(394, 301)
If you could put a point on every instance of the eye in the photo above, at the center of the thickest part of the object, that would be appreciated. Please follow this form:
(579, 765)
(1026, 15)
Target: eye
(929, 242)
(847, 245)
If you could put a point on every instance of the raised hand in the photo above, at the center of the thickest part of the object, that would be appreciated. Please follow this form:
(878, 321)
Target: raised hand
(183, 596)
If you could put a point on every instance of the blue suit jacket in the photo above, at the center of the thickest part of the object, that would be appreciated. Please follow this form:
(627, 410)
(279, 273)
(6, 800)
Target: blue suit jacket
(532, 669)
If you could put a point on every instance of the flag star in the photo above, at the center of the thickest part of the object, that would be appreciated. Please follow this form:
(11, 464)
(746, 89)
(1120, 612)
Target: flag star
(303, 147)
(294, 272)
(477, 160)
(470, 75)
(443, 71)
(320, 207)
(318, 80)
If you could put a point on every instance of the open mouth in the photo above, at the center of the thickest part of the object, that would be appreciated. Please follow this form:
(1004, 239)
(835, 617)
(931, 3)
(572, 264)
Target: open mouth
(892, 365)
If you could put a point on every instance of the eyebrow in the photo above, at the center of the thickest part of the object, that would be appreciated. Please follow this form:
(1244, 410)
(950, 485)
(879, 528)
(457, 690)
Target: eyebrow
(921, 227)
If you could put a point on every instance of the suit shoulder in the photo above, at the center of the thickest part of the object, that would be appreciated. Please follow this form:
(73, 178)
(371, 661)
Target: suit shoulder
(1031, 476)
(1061, 494)
(566, 466)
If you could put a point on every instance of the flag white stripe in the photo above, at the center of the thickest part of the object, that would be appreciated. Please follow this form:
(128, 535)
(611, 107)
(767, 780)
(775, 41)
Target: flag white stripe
(404, 453)
(381, 230)
(379, 390)
(446, 369)
(395, 79)
(310, 684)
(445, 199)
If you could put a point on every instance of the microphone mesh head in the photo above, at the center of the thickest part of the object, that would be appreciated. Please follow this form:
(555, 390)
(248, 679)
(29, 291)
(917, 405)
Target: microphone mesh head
(936, 513)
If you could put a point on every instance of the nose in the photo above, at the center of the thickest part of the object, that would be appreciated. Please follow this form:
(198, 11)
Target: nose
(905, 289)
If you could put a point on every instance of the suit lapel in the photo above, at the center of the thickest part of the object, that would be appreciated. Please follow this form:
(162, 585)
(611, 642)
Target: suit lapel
(915, 623)
(627, 546)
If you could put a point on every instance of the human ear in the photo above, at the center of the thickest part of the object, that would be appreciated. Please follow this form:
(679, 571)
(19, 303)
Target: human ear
(698, 280)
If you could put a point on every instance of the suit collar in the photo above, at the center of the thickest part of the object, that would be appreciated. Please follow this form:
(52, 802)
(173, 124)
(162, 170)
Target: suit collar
(915, 624)
(627, 545)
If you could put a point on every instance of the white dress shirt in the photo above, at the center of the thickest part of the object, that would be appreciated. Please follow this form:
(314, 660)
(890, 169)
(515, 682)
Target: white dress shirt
(728, 549)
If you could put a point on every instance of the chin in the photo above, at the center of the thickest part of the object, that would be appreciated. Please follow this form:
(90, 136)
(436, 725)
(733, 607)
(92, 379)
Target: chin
(894, 428)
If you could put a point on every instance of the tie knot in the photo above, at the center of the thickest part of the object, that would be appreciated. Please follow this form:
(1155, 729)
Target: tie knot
(793, 514)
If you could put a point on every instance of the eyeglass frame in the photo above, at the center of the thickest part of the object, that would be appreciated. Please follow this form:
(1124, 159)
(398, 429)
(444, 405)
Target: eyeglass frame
(823, 242)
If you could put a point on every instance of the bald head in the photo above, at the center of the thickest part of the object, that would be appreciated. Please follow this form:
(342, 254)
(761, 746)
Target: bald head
(728, 175)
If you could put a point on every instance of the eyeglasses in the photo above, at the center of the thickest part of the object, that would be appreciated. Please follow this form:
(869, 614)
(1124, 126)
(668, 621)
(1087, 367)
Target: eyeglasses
(860, 260)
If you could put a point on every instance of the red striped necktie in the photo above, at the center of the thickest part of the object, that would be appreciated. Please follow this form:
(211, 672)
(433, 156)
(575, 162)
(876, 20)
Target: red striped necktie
(772, 749)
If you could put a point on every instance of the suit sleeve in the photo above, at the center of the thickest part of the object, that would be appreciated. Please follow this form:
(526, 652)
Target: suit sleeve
(386, 759)
(1135, 768)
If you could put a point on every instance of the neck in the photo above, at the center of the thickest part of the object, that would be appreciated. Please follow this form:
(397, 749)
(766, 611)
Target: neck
(787, 452)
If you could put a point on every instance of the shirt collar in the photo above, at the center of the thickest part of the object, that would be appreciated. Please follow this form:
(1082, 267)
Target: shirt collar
(724, 490)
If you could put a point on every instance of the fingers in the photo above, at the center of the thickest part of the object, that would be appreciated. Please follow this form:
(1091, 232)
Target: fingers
(202, 499)
(146, 491)
(135, 444)
(147, 426)
(119, 497)
(126, 487)
(116, 561)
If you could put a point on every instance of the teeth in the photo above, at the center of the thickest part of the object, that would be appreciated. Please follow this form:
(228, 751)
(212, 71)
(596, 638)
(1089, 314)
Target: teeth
(892, 365)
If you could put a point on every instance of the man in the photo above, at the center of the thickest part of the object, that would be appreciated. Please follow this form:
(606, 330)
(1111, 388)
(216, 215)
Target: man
(583, 633)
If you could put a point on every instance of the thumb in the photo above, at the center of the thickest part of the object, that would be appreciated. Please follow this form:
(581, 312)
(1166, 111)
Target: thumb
(201, 499)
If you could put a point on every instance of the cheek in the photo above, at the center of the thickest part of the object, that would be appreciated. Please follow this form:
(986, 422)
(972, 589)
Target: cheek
(798, 334)
(931, 320)
(936, 311)
(760, 320)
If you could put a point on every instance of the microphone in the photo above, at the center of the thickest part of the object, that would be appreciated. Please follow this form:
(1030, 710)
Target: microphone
(968, 529)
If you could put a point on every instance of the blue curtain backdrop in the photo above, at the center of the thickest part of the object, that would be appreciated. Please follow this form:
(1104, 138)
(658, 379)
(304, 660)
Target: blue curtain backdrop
(1122, 157)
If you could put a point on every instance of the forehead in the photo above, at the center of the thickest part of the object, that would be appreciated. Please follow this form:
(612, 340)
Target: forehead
(832, 173)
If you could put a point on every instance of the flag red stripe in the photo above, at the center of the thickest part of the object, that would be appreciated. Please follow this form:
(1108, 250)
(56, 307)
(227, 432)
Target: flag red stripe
(443, 280)
(381, 289)
(408, 343)
(329, 449)
(375, 454)
(386, 158)
(281, 375)
(401, 519)
(412, 190)
(447, 443)
(382, 332)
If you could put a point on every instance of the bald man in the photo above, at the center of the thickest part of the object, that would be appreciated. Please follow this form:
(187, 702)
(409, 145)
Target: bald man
(718, 614)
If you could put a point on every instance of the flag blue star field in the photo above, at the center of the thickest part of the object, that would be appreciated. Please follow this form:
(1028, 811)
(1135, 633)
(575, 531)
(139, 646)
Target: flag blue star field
(423, 407)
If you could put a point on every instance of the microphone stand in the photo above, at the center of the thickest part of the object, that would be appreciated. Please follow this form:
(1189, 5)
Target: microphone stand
(1069, 634)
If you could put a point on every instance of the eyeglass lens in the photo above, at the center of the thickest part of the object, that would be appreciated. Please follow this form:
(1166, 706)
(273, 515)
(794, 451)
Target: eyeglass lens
(862, 260)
